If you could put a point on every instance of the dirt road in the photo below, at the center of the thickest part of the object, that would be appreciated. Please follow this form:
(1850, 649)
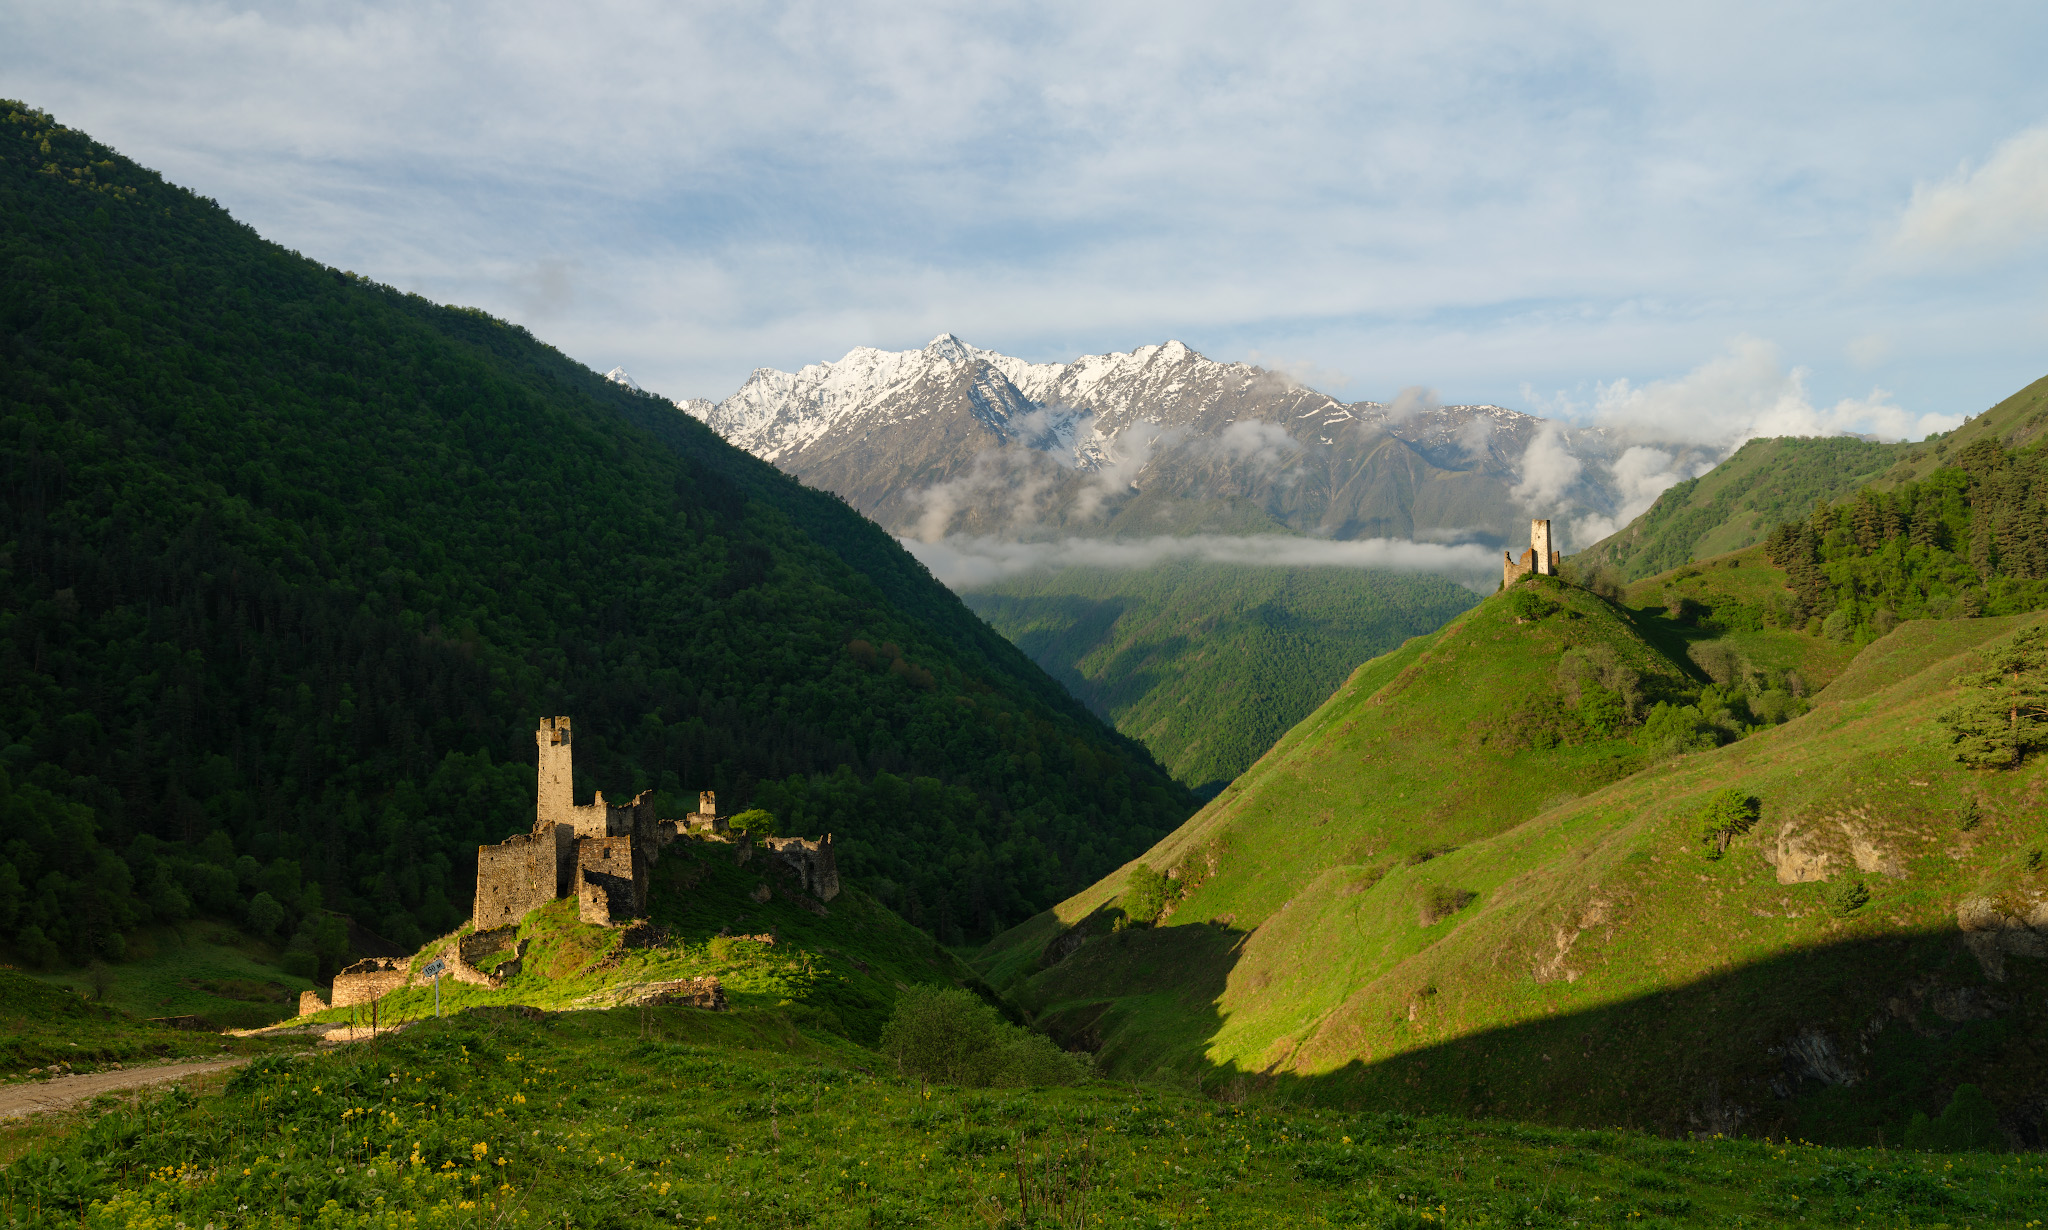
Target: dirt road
(61, 1092)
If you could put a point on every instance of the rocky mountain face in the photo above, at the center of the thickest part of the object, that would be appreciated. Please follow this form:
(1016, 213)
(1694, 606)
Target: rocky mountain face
(952, 439)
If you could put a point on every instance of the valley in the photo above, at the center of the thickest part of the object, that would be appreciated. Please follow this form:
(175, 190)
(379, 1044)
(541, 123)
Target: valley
(1209, 664)
(1196, 892)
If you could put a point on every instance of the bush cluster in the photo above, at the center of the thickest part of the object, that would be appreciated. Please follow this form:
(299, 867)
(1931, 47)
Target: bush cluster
(951, 1037)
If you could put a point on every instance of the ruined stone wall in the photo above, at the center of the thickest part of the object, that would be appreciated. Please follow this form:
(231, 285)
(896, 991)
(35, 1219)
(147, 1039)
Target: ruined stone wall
(812, 861)
(479, 944)
(612, 880)
(518, 874)
(310, 1002)
(462, 962)
(371, 978)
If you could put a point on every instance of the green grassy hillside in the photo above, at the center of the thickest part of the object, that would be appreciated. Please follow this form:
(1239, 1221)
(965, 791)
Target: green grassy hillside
(1208, 664)
(42, 1025)
(689, 1118)
(1381, 912)
(291, 562)
(1769, 481)
(1736, 503)
(1457, 735)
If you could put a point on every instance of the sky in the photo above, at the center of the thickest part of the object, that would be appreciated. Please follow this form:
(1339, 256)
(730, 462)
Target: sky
(1823, 213)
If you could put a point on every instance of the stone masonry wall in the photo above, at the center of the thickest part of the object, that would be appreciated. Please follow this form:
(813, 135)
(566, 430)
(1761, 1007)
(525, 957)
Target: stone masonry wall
(518, 874)
(555, 798)
(369, 979)
(812, 861)
(612, 881)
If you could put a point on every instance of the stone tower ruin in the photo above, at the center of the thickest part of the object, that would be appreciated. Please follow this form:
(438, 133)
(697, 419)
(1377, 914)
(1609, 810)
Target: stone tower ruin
(1541, 558)
(555, 800)
(600, 853)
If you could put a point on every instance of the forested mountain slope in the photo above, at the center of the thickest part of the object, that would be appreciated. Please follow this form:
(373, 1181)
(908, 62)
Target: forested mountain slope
(1449, 887)
(1208, 664)
(1769, 481)
(292, 561)
(1736, 503)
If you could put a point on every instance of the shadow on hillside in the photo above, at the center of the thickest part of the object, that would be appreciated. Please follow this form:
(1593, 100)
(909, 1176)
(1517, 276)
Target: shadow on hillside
(1838, 1043)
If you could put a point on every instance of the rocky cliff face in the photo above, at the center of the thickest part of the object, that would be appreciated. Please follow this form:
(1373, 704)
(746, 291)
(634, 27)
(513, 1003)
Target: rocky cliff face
(952, 439)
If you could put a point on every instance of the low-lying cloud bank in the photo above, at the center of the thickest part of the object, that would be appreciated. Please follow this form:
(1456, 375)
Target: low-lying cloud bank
(966, 563)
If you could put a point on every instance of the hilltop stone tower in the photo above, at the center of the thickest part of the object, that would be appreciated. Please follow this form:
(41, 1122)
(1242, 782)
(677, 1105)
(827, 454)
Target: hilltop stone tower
(1541, 558)
(555, 800)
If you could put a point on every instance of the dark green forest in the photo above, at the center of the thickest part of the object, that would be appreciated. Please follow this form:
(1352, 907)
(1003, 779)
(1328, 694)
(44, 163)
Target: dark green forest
(291, 562)
(1970, 539)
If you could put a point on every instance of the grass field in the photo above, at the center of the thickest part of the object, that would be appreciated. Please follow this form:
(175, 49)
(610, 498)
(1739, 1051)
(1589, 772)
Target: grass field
(41, 1025)
(614, 1119)
(205, 969)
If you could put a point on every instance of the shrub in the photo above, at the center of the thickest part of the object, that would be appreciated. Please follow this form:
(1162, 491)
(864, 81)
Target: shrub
(951, 1037)
(299, 964)
(1848, 897)
(754, 822)
(1440, 902)
(1529, 602)
(265, 915)
(1969, 1122)
(1727, 814)
(1671, 729)
(1147, 893)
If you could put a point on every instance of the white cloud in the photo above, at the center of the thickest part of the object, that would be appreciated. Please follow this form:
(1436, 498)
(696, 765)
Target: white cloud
(1489, 194)
(1265, 445)
(968, 563)
(1981, 213)
(1741, 394)
(1549, 470)
(1746, 392)
(1412, 401)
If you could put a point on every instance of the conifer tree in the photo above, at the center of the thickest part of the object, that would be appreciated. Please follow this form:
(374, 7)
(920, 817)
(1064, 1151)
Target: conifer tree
(2003, 712)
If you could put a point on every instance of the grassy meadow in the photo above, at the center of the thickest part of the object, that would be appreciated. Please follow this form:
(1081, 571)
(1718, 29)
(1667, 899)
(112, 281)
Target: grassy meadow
(681, 1117)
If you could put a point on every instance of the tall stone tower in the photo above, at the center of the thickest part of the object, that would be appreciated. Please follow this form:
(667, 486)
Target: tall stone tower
(1541, 558)
(555, 800)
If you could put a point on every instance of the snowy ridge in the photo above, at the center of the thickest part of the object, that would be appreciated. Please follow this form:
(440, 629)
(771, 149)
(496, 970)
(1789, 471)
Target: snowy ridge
(1082, 406)
(951, 438)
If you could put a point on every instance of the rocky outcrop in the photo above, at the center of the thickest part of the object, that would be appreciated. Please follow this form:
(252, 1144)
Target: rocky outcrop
(1995, 928)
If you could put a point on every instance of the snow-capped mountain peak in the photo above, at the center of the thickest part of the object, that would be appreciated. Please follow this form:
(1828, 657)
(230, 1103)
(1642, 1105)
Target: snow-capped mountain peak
(619, 375)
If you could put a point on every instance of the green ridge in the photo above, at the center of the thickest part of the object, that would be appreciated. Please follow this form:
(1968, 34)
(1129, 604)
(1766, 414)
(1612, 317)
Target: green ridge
(1208, 664)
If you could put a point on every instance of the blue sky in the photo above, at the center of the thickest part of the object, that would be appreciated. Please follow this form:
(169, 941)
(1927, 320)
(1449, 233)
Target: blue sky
(1706, 217)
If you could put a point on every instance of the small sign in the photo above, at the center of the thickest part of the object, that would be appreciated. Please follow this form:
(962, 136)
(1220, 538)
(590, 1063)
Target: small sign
(433, 968)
